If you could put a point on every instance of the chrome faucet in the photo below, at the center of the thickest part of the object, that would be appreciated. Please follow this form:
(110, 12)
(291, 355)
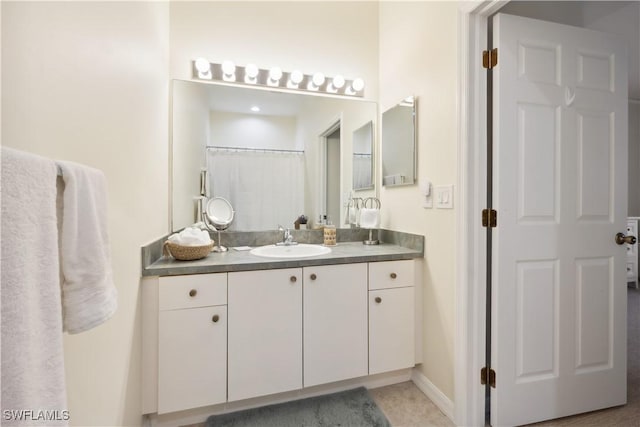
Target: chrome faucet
(287, 237)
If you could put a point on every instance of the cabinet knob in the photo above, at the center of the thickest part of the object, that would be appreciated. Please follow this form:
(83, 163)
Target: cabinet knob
(293, 279)
(393, 275)
(378, 300)
(193, 293)
(313, 276)
(215, 318)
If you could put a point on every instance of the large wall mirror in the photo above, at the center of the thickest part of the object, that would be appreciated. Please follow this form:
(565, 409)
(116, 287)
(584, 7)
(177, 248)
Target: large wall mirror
(273, 155)
(399, 143)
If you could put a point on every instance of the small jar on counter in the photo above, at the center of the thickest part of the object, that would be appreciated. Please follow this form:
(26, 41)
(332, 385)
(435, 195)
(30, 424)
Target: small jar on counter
(330, 235)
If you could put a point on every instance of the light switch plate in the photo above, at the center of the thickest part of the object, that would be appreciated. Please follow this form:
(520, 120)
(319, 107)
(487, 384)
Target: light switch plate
(426, 192)
(443, 196)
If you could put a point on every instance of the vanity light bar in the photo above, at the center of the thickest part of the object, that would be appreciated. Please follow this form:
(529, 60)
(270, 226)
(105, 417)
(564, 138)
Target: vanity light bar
(251, 75)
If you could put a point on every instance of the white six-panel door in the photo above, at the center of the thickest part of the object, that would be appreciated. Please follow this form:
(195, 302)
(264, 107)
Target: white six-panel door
(560, 170)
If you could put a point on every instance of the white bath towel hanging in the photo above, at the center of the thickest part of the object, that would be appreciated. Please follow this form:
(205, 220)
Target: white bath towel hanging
(369, 218)
(89, 296)
(32, 354)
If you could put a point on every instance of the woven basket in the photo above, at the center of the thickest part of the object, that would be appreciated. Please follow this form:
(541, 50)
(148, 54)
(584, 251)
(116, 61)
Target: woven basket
(186, 253)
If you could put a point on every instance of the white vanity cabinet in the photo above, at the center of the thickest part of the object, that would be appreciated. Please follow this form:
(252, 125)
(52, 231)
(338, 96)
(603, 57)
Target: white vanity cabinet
(217, 338)
(192, 341)
(265, 332)
(335, 323)
(391, 316)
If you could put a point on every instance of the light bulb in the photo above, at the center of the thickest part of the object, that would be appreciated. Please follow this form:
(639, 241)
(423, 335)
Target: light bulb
(228, 70)
(318, 79)
(338, 82)
(255, 109)
(357, 84)
(295, 78)
(250, 73)
(204, 68)
(275, 74)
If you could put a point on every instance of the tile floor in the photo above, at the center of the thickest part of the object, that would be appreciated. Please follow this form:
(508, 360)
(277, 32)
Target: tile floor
(406, 406)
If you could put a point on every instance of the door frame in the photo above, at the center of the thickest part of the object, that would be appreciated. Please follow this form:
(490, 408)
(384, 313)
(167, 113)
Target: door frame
(333, 125)
(471, 250)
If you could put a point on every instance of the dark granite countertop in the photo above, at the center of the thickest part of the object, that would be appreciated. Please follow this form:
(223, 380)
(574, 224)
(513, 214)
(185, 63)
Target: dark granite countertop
(233, 260)
(394, 246)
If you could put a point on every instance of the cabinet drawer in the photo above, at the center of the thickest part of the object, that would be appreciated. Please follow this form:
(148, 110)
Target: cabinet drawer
(391, 274)
(198, 290)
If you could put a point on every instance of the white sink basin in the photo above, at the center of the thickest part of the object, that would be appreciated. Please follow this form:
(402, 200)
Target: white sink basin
(293, 251)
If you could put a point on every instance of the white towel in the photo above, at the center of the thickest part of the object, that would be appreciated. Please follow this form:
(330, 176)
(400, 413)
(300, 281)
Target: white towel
(369, 218)
(89, 296)
(191, 236)
(32, 353)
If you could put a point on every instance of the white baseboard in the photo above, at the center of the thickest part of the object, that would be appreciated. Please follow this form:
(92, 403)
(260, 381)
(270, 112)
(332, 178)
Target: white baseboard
(433, 393)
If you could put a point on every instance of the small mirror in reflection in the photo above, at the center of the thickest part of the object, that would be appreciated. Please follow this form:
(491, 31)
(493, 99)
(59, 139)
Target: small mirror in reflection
(399, 143)
(363, 157)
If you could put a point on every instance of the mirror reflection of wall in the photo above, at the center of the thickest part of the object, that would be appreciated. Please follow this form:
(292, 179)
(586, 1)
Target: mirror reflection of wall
(267, 163)
(399, 144)
(363, 157)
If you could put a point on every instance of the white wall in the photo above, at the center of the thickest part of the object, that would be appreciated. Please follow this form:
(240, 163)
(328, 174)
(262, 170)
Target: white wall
(253, 131)
(88, 82)
(331, 37)
(418, 56)
(190, 135)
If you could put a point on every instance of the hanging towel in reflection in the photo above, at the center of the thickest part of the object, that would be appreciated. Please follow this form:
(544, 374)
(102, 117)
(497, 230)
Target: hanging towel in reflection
(32, 355)
(89, 296)
(369, 218)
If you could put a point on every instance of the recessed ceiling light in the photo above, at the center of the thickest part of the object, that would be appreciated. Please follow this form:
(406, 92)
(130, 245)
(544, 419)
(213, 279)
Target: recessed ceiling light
(255, 108)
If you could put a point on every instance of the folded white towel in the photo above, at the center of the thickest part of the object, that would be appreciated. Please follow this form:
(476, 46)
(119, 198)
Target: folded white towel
(369, 218)
(32, 355)
(191, 236)
(89, 296)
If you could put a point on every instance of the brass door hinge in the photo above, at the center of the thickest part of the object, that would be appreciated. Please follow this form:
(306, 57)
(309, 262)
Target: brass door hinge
(489, 218)
(491, 378)
(490, 58)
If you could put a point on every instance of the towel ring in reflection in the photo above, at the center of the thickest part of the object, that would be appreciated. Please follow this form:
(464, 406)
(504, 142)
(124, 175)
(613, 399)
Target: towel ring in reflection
(371, 203)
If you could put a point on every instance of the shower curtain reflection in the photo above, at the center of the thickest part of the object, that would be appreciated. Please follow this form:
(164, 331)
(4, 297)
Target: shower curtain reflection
(265, 188)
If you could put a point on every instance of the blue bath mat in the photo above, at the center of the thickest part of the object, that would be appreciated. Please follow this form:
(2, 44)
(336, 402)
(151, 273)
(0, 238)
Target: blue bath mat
(351, 408)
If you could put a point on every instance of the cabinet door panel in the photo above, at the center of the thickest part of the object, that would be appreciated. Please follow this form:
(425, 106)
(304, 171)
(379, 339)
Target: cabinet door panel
(265, 332)
(391, 329)
(192, 358)
(335, 323)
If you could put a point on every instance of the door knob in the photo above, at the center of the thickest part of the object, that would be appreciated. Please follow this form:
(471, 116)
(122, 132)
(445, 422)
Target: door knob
(621, 239)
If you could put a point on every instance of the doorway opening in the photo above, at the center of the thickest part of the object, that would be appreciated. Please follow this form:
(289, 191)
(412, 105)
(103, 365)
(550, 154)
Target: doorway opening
(330, 173)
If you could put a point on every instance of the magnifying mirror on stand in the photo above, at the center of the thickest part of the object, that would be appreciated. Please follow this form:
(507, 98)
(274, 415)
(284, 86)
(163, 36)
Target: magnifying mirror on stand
(218, 216)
